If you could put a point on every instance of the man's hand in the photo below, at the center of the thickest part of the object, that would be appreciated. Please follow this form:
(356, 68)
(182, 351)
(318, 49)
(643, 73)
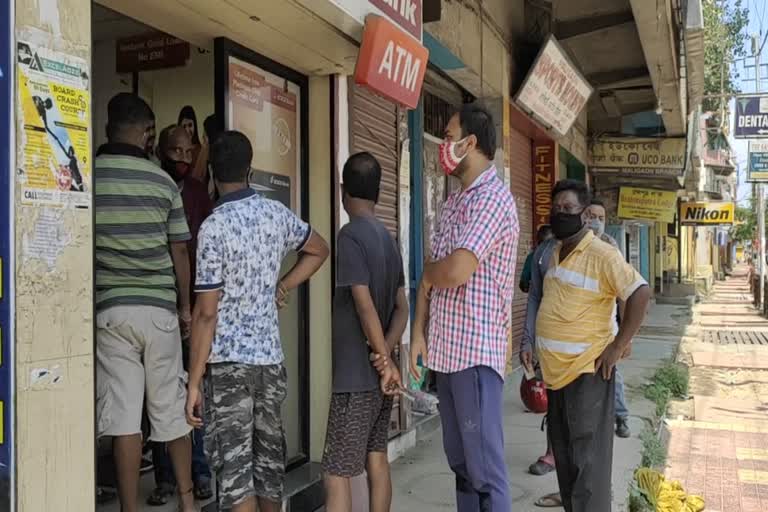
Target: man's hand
(281, 295)
(185, 322)
(380, 362)
(608, 359)
(526, 359)
(390, 381)
(627, 351)
(194, 407)
(418, 348)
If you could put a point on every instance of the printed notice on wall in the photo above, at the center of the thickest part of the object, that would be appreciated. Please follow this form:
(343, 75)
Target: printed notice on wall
(265, 108)
(54, 109)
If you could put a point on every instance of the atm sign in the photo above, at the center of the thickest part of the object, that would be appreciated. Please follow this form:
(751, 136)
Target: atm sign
(391, 62)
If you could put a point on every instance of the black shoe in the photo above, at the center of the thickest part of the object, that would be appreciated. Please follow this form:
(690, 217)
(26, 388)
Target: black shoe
(622, 429)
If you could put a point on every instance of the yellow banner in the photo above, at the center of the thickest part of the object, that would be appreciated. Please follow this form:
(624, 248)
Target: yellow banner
(707, 213)
(647, 204)
(638, 153)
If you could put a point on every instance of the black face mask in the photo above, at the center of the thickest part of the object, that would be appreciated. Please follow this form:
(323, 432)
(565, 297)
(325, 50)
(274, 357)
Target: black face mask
(565, 225)
(176, 169)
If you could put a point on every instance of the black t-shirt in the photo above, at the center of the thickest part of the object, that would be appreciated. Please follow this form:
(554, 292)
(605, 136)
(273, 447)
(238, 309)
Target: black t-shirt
(366, 255)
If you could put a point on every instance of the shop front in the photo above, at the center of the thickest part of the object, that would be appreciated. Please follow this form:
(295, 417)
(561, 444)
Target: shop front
(638, 179)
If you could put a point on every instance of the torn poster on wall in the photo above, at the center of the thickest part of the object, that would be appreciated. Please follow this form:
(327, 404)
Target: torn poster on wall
(49, 238)
(54, 110)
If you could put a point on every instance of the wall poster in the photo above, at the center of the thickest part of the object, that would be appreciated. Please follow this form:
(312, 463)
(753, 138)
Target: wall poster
(56, 141)
(265, 107)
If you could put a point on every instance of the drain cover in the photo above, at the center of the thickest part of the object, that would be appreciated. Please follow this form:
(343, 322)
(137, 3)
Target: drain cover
(722, 337)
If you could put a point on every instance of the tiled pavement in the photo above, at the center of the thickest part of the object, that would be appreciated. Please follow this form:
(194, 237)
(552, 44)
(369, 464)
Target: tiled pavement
(725, 459)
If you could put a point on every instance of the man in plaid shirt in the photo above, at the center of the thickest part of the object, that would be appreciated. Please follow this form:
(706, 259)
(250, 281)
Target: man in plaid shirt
(465, 297)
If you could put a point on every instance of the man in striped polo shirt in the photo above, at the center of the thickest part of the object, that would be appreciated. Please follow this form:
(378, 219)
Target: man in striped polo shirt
(577, 348)
(141, 253)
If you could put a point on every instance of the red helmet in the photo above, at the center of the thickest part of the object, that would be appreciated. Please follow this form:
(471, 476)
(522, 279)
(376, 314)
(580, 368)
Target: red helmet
(533, 393)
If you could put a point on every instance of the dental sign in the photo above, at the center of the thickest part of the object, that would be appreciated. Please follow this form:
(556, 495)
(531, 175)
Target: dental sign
(391, 62)
(751, 120)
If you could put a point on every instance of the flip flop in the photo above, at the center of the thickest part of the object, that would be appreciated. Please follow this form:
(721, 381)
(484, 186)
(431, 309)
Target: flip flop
(549, 501)
(161, 495)
(540, 467)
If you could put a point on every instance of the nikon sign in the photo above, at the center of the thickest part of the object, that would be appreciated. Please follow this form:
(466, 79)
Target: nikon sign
(706, 213)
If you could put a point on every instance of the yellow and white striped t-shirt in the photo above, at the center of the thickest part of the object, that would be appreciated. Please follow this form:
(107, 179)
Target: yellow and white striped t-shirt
(577, 314)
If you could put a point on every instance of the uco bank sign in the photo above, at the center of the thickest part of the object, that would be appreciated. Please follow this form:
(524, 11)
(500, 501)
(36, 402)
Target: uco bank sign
(391, 62)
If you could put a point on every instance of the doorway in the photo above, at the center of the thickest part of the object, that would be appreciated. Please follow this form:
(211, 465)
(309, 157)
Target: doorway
(271, 111)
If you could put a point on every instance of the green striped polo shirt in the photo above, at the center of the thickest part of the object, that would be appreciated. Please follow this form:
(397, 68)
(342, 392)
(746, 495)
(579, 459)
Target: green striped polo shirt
(138, 213)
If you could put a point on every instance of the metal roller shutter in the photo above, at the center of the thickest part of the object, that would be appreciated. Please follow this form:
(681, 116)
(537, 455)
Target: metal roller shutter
(373, 127)
(520, 162)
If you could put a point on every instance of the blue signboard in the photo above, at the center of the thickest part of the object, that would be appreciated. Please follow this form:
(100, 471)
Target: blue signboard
(751, 117)
(6, 272)
(758, 161)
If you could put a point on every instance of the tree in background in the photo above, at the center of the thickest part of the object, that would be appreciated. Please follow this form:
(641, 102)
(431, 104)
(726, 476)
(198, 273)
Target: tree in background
(724, 25)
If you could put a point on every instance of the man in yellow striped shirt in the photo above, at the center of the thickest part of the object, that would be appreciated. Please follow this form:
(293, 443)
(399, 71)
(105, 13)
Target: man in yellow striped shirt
(578, 351)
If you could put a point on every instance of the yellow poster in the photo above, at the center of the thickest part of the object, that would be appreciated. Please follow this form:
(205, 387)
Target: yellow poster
(706, 213)
(647, 204)
(55, 112)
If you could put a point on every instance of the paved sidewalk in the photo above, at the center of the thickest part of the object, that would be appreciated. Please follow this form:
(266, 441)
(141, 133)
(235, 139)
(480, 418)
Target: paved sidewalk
(423, 482)
(718, 440)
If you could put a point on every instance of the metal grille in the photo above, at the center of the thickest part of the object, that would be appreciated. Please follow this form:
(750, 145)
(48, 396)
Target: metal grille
(437, 112)
(721, 337)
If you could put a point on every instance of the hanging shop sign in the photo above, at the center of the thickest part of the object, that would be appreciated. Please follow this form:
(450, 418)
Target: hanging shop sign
(544, 172)
(7, 125)
(757, 171)
(391, 62)
(54, 106)
(706, 213)
(751, 121)
(633, 156)
(406, 14)
(647, 204)
(554, 92)
(148, 52)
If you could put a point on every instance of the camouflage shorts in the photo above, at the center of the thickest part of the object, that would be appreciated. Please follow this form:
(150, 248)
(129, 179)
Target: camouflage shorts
(244, 438)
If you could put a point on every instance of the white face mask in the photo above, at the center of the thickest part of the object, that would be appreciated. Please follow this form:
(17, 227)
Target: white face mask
(597, 227)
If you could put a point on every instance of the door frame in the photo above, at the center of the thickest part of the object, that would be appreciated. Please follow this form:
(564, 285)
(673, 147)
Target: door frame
(223, 49)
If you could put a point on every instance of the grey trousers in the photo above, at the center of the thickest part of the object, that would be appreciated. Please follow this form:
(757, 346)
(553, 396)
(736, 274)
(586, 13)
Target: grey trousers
(580, 422)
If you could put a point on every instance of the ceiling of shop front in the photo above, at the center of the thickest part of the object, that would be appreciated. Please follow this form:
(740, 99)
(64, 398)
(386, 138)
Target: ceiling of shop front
(290, 34)
(602, 38)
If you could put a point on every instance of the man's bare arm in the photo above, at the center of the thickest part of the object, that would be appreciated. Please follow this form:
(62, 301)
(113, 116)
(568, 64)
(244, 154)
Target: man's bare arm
(311, 258)
(398, 322)
(180, 257)
(452, 271)
(203, 328)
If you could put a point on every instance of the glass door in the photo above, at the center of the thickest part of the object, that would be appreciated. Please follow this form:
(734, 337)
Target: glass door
(267, 102)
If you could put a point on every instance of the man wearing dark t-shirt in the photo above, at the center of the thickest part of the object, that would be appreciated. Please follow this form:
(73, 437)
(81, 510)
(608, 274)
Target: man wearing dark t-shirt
(370, 313)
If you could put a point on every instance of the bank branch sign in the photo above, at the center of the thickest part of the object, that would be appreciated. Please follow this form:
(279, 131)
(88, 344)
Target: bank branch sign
(709, 213)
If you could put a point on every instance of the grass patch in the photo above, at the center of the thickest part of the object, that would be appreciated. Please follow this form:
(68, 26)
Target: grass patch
(654, 452)
(670, 381)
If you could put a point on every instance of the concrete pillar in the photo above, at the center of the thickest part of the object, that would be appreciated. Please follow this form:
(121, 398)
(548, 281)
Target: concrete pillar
(54, 349)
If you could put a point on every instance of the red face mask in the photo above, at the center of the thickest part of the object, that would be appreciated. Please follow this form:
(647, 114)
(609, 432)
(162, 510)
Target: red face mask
(177, 170)
(449, 161)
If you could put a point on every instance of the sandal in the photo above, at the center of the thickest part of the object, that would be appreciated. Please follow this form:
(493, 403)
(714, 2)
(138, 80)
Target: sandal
(161, 494)
(549, 501)
(203, 489)
(541, 467)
